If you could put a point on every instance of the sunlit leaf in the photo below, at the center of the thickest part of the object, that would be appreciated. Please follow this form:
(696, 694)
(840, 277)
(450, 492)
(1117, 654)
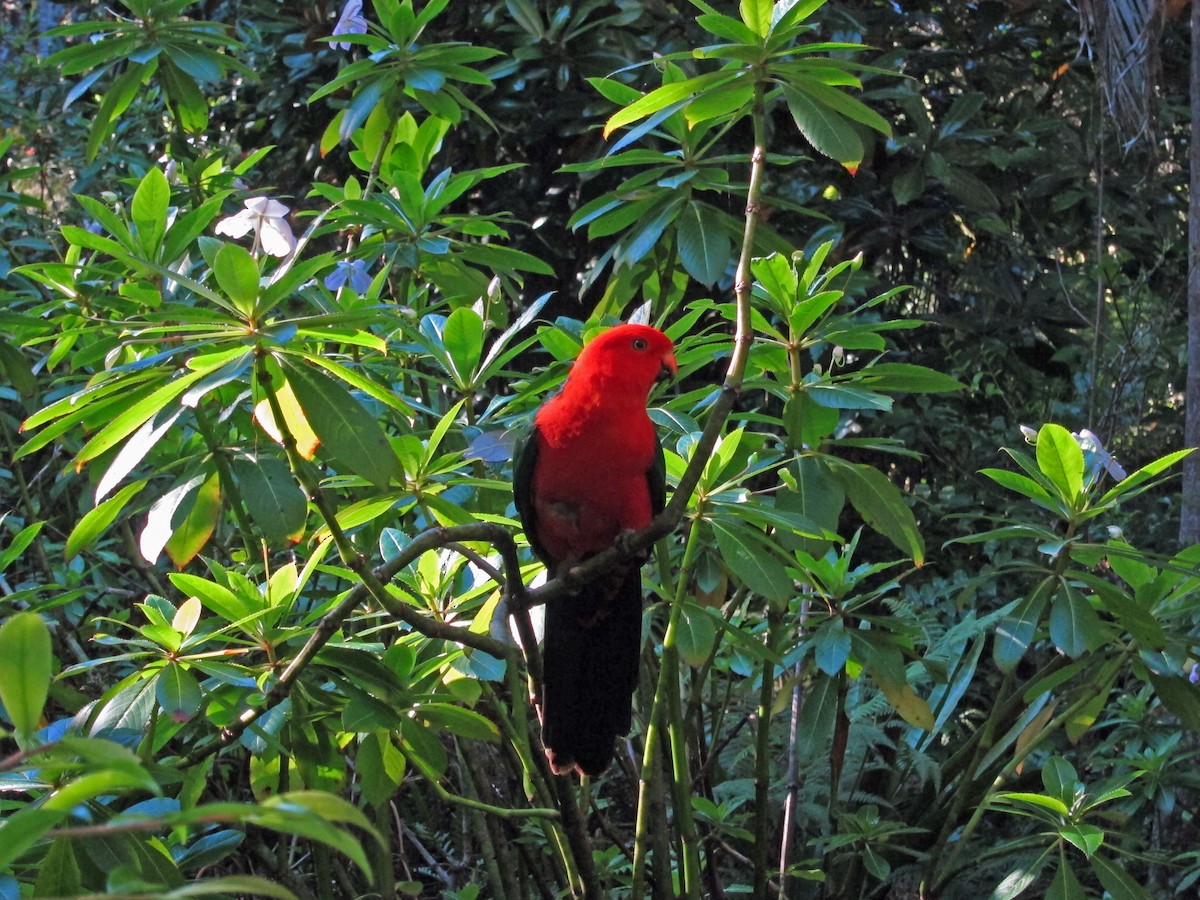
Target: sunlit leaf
(199, 522)
(1061, 460)
(293, 417)
(97, 520)
(26, 659)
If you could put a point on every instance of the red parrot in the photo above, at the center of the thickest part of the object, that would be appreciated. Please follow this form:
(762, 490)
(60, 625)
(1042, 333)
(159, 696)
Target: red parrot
(591, 469)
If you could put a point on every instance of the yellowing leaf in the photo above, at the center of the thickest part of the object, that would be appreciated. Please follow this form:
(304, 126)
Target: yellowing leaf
(293, 417)
(913, 709)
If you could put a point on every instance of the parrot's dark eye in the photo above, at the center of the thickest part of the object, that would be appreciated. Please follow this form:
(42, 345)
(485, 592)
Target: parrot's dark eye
(640, 344)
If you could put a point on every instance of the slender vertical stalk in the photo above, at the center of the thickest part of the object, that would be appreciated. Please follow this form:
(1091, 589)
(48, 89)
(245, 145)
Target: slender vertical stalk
(668, 669)
(1189, 520)
(793, 770)
(677, 731)
(488, 832)
(381, 854)
(762, 758)
(1101, 290)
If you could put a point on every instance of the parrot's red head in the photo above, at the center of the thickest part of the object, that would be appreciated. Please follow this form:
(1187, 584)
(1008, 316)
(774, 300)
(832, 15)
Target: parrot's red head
(627, 359)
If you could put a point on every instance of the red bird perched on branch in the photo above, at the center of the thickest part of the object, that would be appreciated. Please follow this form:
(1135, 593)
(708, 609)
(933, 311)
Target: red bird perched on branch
(591, 470)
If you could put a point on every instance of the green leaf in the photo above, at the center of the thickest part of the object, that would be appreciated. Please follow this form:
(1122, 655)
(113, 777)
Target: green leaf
(346, 430)
(230, 885)
(728, 28)
(313, 814)
(816, 496)
(1022, 485)
(1061, 460)
(840, 102)
(116, 100)
(149, 210)
(465, 723)
(804, 314)
(842, 396)
(97, 520)
(704, 247)
(1015, 633)
(1144, 475)
(882, 507)
(1074, 625)
(1087, 838)
(1041, 801)
(640, 242)
(663, 97)
(19, 543)
(380, 766)
(178, 692)
(17, 370)
(183, 95)
(817, 717)
(237, 274)
(142, 442)
(130, 418)
(275, 502)
(1065, 885)
(58, 872)
(832, 646)
(365, 714)
(1134, 618)
(1180, 696)
(696, 637)
(216, 597)
(1116, 880)
(462, 337)
(719, 102)
(1059, 778)
(22, 829)
(423, 748)
(828, 132)
(907, 378)
(525, 14)
(748, 555)
(908, 185)
(189, 536)
(26, 660)
(757, 15)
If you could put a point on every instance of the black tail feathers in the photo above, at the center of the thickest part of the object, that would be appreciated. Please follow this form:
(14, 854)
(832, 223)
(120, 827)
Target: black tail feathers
(591, 652)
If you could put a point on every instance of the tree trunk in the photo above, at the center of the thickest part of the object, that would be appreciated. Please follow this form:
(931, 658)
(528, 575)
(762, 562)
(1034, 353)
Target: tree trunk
(1189, 524)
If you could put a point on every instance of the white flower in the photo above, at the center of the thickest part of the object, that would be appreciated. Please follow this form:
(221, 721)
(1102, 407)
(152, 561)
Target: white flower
(264, 217)
(1096, 457)
(351, 21)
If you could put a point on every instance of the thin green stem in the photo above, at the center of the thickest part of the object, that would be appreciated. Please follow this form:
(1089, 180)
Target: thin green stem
(668, 669)
(762, 759)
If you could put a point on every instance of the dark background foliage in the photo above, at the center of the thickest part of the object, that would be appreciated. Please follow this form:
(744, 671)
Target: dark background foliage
(1047, 265)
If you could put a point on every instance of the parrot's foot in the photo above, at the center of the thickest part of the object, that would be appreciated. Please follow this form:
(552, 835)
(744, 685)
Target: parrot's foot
(626, 543)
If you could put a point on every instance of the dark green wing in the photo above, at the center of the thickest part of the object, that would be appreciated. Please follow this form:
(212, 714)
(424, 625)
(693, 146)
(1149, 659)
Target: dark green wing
(657, 478)
(523, 469)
